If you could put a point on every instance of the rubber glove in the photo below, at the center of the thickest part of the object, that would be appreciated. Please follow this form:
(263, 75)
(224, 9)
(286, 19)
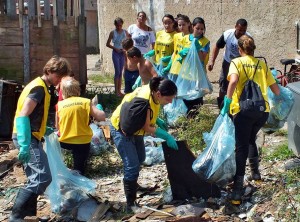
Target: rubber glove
(149, 54)
(198, 45)
(99, 106)
(24, 138)
(138, 83)
(166, 70)
(180, 59)
(166, 59)
(171, 142)
(226, 106)
(183, 52)
(161, 124)
(49, 130)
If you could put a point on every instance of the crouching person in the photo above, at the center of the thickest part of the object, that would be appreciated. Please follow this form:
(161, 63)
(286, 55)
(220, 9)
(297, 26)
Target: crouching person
(29, 128)
(131, 148)
(73, 115)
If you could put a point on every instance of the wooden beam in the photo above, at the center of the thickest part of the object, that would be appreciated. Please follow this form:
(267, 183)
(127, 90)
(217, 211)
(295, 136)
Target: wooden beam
(82, 50)
(61, 10)
(39, 12)
(11, 9)
(21, 11)
(55, 22)
(26, 42)
(31, 9)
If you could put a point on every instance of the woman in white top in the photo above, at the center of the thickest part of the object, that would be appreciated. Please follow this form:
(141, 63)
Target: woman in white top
(116, 36)
(142, 35)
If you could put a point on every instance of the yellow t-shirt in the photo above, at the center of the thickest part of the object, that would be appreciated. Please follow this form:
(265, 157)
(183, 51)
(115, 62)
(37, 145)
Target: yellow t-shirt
(178, 46)
(141, 92)
(263, 78)
(164, 45)
(74, 116)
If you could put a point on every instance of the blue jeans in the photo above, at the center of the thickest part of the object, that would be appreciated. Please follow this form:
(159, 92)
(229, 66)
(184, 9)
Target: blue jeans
(132, 152)
(130, 77)
(118, 60)
(37, 169)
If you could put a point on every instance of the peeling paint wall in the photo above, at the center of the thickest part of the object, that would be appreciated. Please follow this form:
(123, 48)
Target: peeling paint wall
(270, 22)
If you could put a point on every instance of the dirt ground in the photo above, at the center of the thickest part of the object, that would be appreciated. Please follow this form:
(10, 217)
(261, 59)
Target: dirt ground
(110, 188)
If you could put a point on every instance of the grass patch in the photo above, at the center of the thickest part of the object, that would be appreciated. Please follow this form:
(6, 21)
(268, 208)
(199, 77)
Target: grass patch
(101, 78)
(280, 132)
(192, 129)
(282, 152)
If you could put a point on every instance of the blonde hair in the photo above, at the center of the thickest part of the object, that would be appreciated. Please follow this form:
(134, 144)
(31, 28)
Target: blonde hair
(70, 87)
(246, 43)
(58, 65)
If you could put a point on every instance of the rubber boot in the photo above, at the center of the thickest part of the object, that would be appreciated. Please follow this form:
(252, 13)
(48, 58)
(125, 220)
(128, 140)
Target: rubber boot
(20, 209)
(130, 188)
(32, 205)
(254, 164)
(237, 192)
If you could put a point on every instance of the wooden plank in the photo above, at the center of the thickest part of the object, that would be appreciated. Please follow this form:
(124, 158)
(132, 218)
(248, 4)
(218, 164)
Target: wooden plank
(6, 22)
(21, 11)
(69, 8)
(99, 212)
(11, 52)
(56, 40)
(39, 12)
(11, 37)
(47, 10)
(26, 41)
(2, 7)
(82, 50)
(31, 9)
(76, 12)
(55, 22)
(61, 10)
(11, 8)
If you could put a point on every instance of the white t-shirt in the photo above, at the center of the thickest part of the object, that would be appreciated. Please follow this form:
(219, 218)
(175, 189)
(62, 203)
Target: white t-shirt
(232, 49)
(143, 40)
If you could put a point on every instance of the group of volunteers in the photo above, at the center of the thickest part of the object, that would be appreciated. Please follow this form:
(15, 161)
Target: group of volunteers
(137, 54)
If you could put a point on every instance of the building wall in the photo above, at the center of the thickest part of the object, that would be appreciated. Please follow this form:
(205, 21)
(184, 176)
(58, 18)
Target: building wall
(270, 22)
(92, 37)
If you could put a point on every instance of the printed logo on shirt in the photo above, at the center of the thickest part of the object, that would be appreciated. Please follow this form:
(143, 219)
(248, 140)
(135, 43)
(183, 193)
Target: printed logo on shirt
(141, 40)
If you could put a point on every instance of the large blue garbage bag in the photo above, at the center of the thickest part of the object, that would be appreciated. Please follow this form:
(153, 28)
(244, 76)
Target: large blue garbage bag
(175, 110)
(192, 81)
(216, 164)
(67, 189)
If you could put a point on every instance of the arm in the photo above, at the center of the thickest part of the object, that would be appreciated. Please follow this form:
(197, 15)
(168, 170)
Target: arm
(150, 68)
(232, 84)
(108, 43)
(215, 53)
(148, 127)
(99, 115)
(28, 107)
(275, 89)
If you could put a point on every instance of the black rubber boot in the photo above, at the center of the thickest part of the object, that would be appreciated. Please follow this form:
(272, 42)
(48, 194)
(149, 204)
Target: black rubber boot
(22, 206)
(130, 188)
(237, 192)
(254, 164)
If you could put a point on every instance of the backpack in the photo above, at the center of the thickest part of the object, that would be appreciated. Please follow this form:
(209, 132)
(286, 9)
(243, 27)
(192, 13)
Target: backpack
(251, 101)
(133, 115)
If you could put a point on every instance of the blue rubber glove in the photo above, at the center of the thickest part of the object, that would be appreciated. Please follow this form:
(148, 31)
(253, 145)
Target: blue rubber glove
(166, 70)
(161, 124)
(226, 106)
(183, 52)
(99, 106)
(138, 83)
(49, 130)
(198, 45)
(166, 59)
(149, 54)
(24, 138)
(180, 59)
(171, 142)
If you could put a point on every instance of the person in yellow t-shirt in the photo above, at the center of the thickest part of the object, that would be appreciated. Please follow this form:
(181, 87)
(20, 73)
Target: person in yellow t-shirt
(173, 67)
(29, 129)
(159, 92)
(164, 43)
(246, 127)
(73, 114)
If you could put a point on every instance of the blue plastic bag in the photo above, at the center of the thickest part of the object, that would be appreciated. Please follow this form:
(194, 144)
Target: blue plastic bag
(192, 81)
(67, 189)
(216, 164)
(98, 143)
(175, 110)
(154, 151)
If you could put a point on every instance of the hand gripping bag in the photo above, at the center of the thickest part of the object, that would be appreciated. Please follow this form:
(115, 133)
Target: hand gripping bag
(216, 164)
(192, 81)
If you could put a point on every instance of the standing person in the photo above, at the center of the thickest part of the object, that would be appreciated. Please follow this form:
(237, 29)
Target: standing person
(73, 114)
(229, 39)
(203, 48)
(142, 35)
(146, 69)
(29, 128)
(131, 70)
(246, 127)
(159, 92)
(164, 44)
(116, 37)
(184, 26)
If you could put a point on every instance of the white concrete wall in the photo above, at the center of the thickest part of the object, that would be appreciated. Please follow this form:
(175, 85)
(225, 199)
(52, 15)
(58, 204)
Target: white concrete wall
(271, 23)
